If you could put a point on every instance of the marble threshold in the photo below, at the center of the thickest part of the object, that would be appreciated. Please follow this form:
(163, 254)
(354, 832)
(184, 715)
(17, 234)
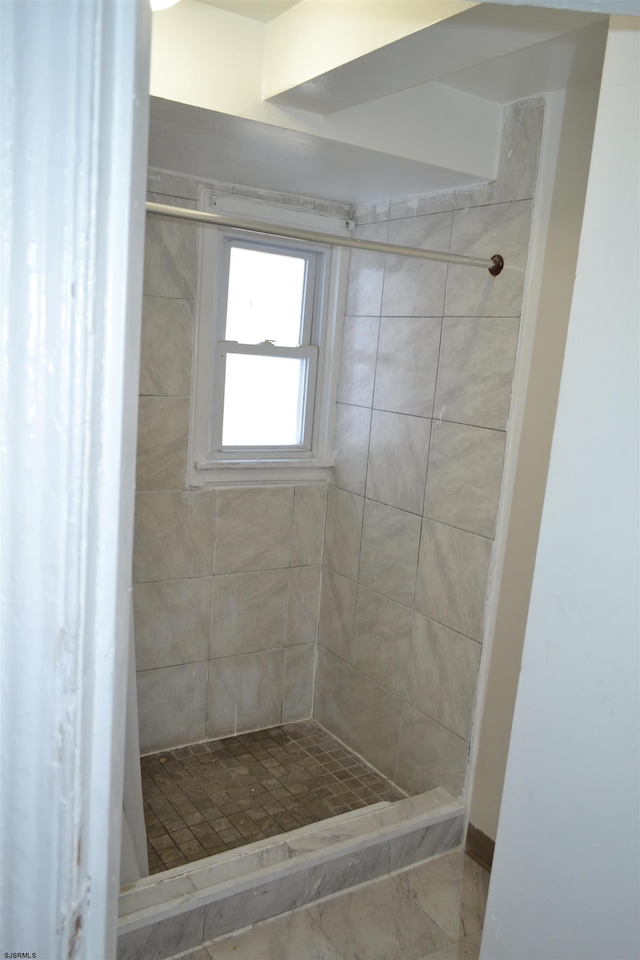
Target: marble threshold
(182, 908)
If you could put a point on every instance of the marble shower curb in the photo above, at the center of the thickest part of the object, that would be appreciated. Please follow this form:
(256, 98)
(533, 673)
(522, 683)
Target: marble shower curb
(182, 908)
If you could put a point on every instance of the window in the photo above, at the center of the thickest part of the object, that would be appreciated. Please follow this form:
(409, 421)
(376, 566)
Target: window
(267, 319)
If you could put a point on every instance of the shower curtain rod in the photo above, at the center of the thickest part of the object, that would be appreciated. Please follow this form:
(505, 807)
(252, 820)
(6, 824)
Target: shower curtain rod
(494, 265)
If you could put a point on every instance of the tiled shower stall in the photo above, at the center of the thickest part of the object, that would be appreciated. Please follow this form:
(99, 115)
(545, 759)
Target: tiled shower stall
(359, 603)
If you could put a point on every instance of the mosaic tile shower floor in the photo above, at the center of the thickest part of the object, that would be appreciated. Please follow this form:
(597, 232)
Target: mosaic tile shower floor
(212, 796)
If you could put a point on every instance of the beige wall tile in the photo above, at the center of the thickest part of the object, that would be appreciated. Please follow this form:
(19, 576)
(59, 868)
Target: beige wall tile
(170, 258)
(475, 372)
(373, 722)
(245, 693)
(442, 674)
(253, 529)
(452, 577)
(172, 621)
(332, 692)
(480, 232)
(412, 287)
(172, 705)
(358, 360)
(429, 755)
(173, 535)
(352, 447)
(337, 606)
(366, 271)
(303, 605)
(388, 559)
(464, 478)
(166, 348)
(407, 365)
(518, 164)
(421, 205)
(249, 612)
(398, 451)
(307, 537)
(163, 432)
(299, 668)
(343, 531)
(381, 634)
(372, 212)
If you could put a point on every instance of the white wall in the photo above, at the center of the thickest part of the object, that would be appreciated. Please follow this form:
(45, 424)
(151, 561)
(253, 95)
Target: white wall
(569, 120)
(194, 60)
(565, 882)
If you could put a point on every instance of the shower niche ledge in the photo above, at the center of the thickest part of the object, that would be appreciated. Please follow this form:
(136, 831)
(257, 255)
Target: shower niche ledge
(182, 908)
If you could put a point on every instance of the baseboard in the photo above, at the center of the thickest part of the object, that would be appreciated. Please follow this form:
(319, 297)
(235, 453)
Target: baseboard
(479, 847)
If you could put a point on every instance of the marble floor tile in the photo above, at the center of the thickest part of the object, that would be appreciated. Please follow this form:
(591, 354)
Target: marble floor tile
(285, 938)
(387, 919)
(466, 949)
(213, 797)
(452, 889)
(384, 924)
(163, 939)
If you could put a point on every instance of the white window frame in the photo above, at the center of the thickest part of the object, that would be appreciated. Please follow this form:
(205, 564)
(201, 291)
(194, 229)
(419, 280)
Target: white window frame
(209, 463)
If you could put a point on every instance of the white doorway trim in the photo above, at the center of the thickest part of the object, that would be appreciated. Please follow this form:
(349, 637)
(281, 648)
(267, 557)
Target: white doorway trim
(74, 82)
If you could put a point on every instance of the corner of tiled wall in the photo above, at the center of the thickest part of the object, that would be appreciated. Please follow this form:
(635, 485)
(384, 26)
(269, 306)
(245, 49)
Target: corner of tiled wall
(422, 415)
(227, 583)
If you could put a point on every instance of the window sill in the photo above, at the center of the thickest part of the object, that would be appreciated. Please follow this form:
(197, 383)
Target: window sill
(249, 473)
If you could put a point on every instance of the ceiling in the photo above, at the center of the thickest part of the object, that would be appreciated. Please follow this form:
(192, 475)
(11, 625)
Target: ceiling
(479, 61)
(262, 10)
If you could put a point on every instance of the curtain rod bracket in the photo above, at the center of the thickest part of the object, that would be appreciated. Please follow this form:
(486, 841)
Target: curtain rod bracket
(498, 264)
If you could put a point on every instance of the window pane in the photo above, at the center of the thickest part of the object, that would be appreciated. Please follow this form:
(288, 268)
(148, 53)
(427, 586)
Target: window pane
(263, 401)
(265, 298)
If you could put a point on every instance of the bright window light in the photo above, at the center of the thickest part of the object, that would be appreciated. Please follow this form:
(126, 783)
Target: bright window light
(265, 297)
(263, 401)
(162, 4)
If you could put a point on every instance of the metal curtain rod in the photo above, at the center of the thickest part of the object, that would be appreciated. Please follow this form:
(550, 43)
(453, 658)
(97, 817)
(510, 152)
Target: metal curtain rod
(494, 265)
